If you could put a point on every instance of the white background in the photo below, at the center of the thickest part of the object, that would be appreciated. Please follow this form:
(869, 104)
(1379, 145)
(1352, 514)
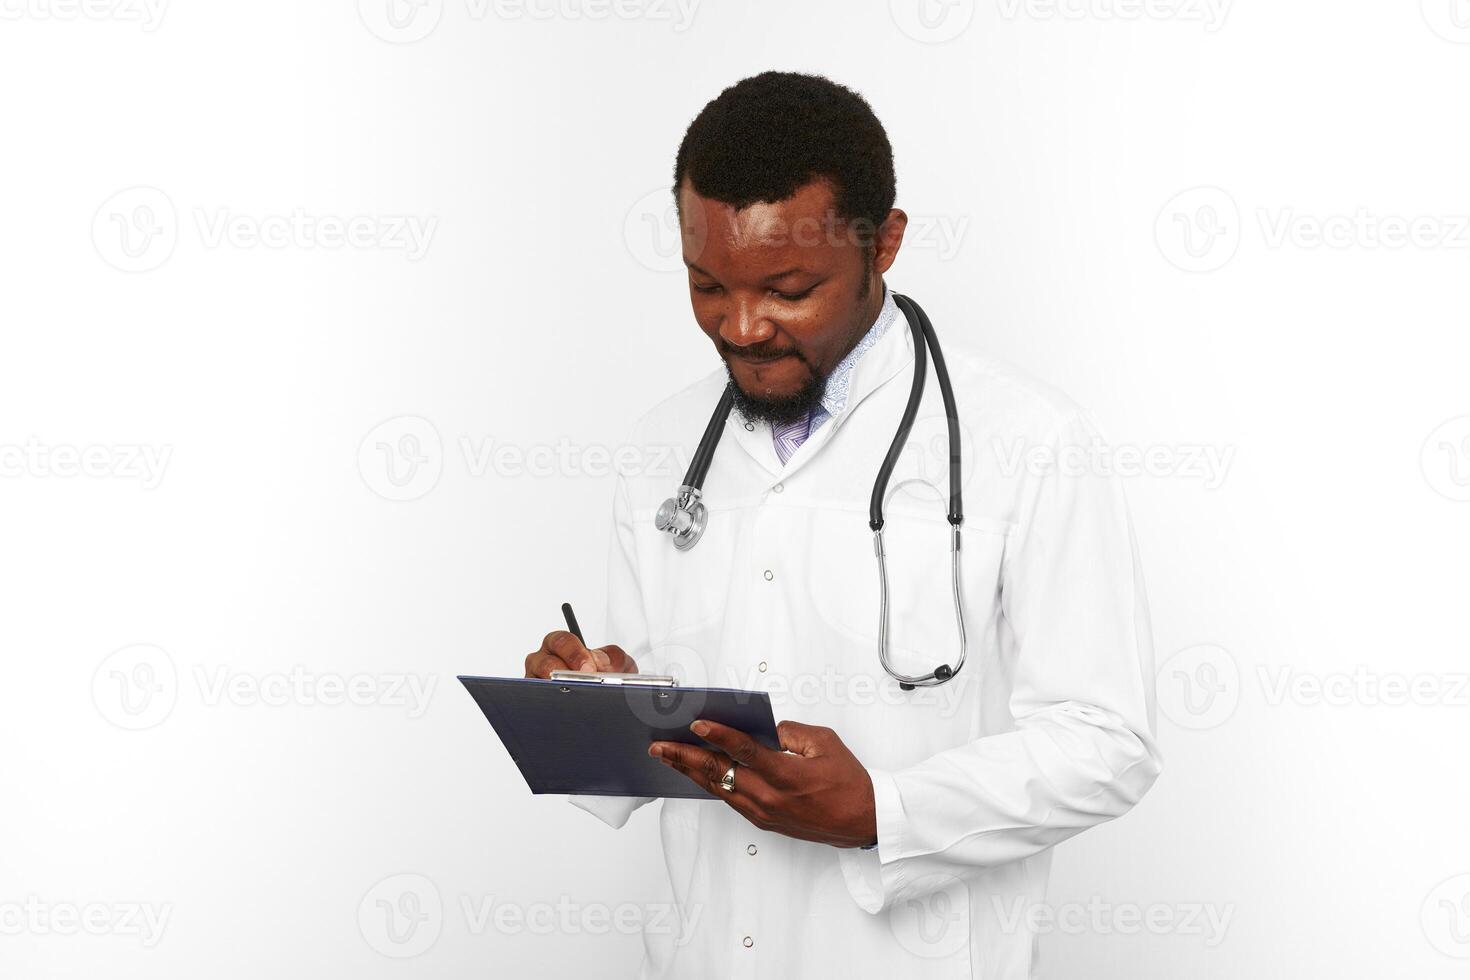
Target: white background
(1053, 160)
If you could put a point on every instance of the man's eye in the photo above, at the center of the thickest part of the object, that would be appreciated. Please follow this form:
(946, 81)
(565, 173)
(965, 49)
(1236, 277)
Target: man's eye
(793, 297)
(705, 289)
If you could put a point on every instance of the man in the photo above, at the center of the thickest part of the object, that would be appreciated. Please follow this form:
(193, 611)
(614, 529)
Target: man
(900, 833)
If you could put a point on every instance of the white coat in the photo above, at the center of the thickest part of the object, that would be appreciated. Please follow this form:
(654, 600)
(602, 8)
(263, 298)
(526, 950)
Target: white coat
(1048, 729)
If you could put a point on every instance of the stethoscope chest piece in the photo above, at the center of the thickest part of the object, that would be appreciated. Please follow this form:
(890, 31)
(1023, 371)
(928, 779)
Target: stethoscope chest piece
(684, 517)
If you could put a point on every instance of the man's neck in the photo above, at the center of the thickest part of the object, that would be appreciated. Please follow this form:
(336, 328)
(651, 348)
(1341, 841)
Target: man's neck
(872, 306)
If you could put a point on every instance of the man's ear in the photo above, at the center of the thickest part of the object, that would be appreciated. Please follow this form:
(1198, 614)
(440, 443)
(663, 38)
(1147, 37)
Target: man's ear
(889, 240)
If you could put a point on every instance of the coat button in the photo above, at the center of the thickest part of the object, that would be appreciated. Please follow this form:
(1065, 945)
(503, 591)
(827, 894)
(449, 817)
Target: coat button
(770, 575)
(750, 849)
(749, 427)
(747, 942)
(761, 666)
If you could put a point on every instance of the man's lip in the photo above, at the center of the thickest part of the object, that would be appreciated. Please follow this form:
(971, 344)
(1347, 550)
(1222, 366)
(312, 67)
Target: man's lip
(761, 360)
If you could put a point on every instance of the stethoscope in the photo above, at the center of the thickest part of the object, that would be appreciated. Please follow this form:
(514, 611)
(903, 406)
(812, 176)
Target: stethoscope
(685, 516)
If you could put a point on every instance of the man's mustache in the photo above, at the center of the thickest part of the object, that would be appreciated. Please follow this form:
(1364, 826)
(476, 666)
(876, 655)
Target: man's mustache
(757, 353)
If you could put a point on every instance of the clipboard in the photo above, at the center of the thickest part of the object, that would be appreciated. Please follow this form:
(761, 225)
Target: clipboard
(590, 735)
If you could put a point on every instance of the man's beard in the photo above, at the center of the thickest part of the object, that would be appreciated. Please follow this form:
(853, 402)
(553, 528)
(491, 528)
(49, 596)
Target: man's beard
(796, 406)
(785, 409)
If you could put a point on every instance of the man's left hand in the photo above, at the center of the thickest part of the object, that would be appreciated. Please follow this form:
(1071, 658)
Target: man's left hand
(815, 790)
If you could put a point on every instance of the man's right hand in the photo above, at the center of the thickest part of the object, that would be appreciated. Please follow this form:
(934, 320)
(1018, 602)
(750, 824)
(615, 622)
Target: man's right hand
(561, 650)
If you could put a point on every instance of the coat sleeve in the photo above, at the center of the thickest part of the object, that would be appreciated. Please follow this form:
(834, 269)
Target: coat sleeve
(627, 627)
(1082, 750)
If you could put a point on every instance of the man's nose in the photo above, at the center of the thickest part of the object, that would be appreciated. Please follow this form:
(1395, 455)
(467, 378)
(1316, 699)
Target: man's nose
(745, 327)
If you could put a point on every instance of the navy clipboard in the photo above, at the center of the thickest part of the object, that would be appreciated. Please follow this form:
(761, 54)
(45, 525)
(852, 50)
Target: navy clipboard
(592, 739)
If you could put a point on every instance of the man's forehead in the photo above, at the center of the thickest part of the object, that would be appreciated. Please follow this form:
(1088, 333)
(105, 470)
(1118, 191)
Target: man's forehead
(815, 198)
(807, 219)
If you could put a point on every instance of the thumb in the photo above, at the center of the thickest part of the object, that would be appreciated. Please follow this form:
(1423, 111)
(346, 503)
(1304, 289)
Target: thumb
(804, 740)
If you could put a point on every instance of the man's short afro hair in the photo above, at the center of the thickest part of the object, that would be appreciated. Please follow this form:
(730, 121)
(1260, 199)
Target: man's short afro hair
(766, 136)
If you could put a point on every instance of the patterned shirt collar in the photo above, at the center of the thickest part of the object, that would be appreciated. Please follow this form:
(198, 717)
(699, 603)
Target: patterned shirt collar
(834, 397)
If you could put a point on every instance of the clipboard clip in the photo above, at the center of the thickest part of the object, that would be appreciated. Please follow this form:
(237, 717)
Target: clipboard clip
(614, 680)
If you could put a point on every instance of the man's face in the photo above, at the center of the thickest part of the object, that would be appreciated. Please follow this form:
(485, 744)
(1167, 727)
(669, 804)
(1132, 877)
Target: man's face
(783, 290)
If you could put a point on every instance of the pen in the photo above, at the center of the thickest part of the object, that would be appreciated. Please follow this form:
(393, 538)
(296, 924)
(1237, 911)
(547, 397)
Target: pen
(571, 618)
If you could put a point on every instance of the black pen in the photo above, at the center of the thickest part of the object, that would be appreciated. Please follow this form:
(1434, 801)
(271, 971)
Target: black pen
(571, 617)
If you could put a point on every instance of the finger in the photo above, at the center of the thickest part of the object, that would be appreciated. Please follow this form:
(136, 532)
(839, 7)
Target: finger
(733, 742)
(618, 661)
(690, 759)
(749, 798)
(753, 798)
(574, 652)
(804, 740)
(541, 664)
(701, 765)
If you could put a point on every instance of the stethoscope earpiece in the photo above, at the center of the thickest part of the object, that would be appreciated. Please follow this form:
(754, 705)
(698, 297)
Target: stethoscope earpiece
(942, 673)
